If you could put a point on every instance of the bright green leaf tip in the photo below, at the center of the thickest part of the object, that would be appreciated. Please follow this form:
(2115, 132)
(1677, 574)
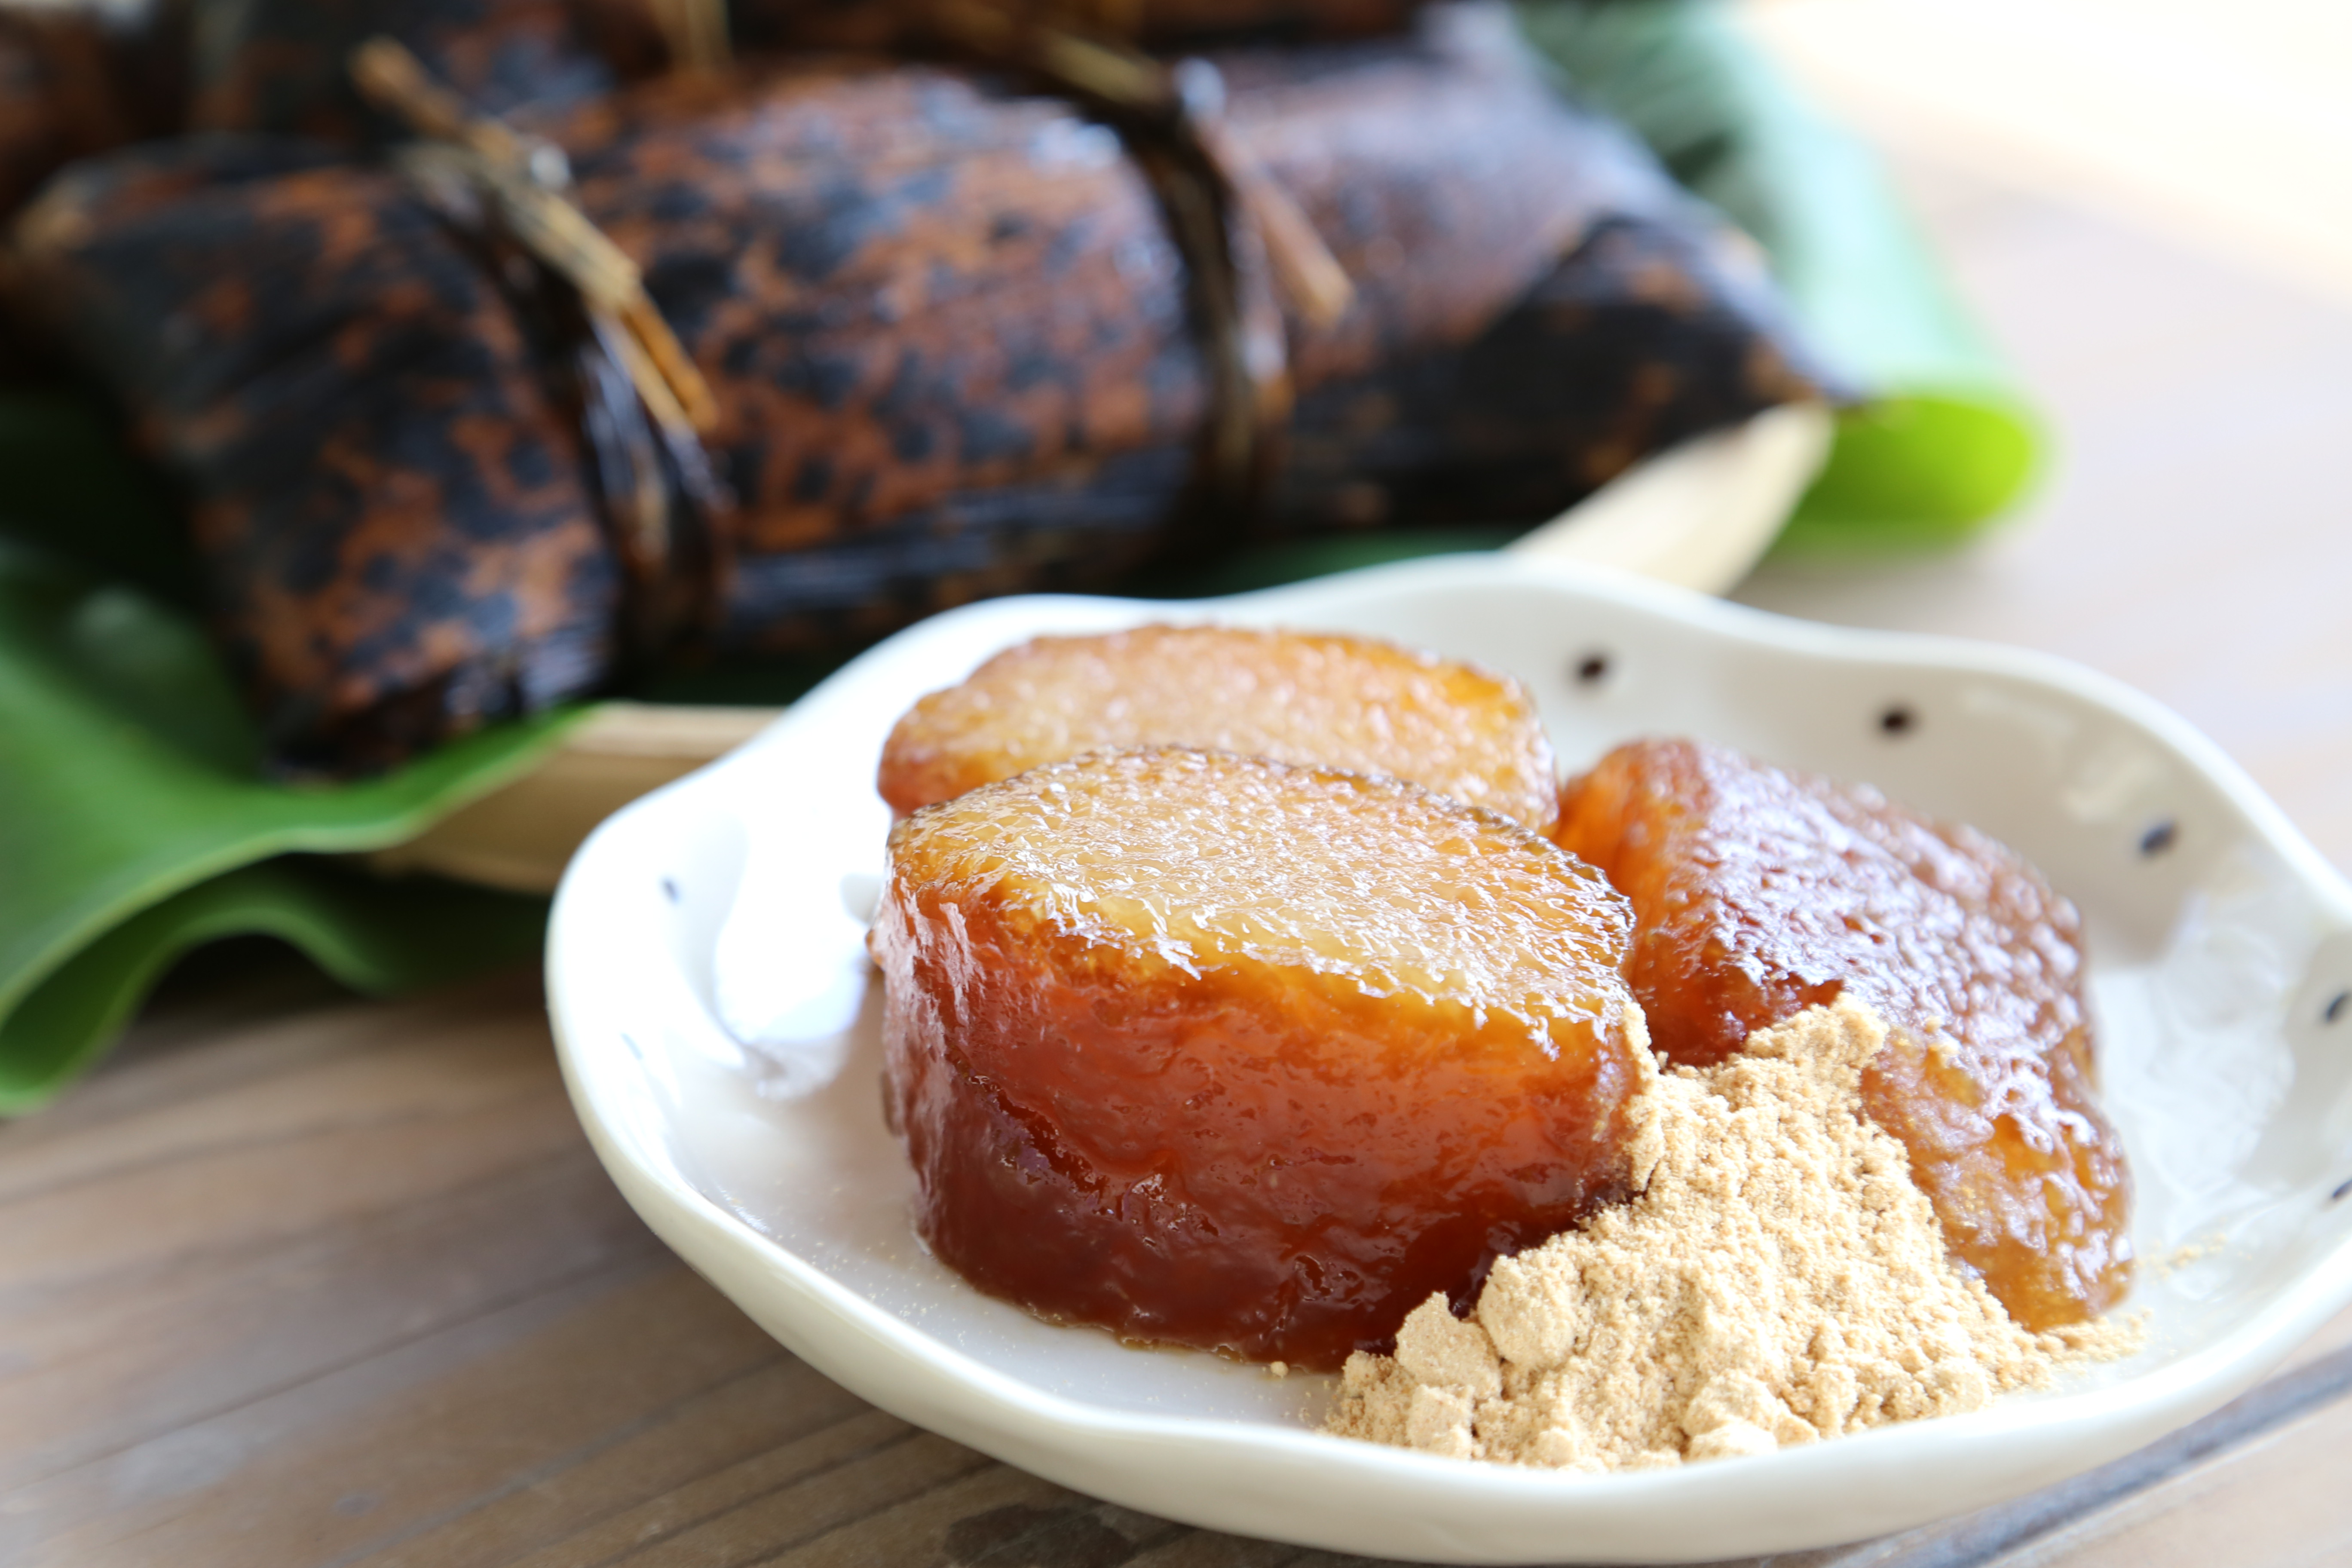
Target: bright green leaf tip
(1914, 472)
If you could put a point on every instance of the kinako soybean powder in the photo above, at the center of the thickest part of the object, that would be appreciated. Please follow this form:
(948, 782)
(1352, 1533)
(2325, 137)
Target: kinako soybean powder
(1777, 1279)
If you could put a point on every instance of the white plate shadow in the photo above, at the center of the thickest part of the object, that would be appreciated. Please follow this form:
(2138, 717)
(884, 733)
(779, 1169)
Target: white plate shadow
(2222, 975)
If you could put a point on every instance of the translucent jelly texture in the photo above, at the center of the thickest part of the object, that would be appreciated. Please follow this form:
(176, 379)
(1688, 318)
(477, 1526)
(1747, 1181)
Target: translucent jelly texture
(1213, 1051)
(1336, 702)
(1757, 893)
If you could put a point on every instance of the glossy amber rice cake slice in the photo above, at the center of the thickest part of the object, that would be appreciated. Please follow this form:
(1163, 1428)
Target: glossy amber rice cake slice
(1759, 893)
(1348, 702)
(1214, 1052)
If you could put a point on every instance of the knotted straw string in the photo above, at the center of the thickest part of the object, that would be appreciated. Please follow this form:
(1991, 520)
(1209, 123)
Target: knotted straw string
(522, 183)
(696, 33)
(1222, 212)
(526, 180)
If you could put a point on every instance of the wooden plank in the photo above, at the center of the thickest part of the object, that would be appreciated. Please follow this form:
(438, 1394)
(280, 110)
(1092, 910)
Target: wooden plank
(707, 1517)
(1199, 1549)
(365, 1457)
(2036, 1529)
(106, 1371)
(997, 1513)
(395, 1097)
(887, 1493)
(2273, 1503)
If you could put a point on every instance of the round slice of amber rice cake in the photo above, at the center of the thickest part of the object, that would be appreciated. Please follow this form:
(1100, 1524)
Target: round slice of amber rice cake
(1214, 1052)
(1316, 699)
(1757, 893)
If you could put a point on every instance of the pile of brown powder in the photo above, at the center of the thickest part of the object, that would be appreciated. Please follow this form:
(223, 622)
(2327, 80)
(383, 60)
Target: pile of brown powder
(1778, 1279)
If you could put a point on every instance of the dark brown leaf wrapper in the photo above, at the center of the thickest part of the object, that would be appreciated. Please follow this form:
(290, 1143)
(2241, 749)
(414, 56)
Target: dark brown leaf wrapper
(282, 66)
(1154, 24)
(78, 82)
(279, 65)
(397, 542)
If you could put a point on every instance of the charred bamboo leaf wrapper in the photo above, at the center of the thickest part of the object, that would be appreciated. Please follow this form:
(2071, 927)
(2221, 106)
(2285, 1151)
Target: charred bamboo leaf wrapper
(947, 337)
(281, 66)
(1155, 24)
(1169, 120)
(1217, 205)
(396, 542)
(278, 65)
(1536, 305)
(695, 35)
(946, 326)
(1644, 336)
(75, 81)
(642, 401)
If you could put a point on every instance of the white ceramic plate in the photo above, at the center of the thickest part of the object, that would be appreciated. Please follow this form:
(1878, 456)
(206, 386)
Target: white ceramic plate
(2220, 961)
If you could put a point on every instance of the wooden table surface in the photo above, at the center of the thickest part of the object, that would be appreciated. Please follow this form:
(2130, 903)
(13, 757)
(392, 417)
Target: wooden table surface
(297, 1280)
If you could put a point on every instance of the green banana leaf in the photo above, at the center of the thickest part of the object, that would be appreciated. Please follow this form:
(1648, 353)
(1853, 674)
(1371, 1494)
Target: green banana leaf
(1942, 443)
(136, 821)
(135, 817)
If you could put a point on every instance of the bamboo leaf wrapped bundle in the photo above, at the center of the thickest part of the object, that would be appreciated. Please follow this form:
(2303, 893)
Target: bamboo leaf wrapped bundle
(397, 542)
(950, 339)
